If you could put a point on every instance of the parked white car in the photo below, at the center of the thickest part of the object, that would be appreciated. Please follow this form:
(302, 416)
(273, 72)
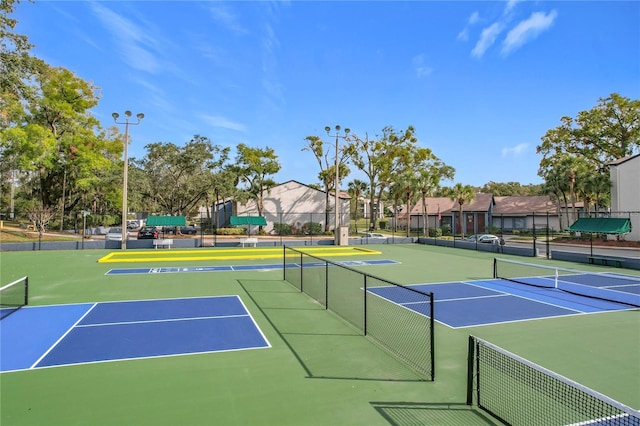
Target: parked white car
(114, 234)
(375, 235)
(484, 238)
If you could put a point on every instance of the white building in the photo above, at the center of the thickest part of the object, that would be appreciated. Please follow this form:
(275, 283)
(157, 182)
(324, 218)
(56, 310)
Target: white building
(297, 204)
(625, 192)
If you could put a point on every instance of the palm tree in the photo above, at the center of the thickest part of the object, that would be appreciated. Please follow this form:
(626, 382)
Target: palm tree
(356, 188)
(462, 194)
(428, 180)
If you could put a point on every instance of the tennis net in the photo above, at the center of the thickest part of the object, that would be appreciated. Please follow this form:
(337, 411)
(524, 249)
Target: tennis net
(13, 296)
(612, 287)
(519, 392)
(407, 334)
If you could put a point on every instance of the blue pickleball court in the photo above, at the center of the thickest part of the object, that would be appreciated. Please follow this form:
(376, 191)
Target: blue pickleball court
(48, 336)
(495, 301)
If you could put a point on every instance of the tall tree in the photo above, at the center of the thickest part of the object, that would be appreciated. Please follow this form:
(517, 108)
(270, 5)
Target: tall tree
(327, 174)
(356, 188)
(511, 189)
(582, 147)
(17, 67)
(461, 194)
(58, 141)
(428, 182)
(178, 178)
(256, 166)
(608, 131)
(382, 159)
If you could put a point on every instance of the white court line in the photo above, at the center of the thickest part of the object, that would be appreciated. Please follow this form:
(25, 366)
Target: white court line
(160, 320)
(62, 337)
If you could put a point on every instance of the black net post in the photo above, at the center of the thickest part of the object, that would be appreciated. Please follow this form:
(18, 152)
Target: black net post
(432, 335)
(365, 305)
(470, 370)
(326, 285)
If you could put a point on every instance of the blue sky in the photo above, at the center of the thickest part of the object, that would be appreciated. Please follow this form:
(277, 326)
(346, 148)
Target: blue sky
(481, 82)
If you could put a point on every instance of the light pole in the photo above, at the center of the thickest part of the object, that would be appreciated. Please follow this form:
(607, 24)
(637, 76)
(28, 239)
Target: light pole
(327, 129)
(127, 115)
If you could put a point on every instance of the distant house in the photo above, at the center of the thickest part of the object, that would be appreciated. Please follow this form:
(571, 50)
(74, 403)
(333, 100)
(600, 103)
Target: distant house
(625, 192)
(443, 211)
(435, 213)
(527, 212)
(364, 208)
(487, 213)
(296, 204)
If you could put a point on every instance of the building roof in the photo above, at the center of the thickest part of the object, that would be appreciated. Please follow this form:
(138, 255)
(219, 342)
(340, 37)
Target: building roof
(503, 205)
(434, 205)
(481, 203)
(341, 194)
(524, 205)
(623, 160)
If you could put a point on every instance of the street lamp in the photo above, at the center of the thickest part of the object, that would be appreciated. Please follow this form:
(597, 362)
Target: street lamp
(337, 185)
(127, 116)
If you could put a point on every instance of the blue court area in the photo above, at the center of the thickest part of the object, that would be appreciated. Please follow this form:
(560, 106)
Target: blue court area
(229, 268)
(48, 336)
(486, 302)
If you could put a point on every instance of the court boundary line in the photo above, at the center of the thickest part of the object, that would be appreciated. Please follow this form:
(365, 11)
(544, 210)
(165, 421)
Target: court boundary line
(157, 321)
(210, 254)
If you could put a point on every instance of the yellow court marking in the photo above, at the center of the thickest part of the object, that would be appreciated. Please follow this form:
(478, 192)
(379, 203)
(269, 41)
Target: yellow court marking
(225, 254)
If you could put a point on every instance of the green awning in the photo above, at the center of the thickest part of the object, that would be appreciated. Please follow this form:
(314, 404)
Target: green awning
(601, 225)
(166, 221)
(248, 220)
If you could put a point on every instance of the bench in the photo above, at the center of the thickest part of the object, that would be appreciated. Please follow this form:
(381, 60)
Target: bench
(250, 240)
(605, 260)
(163, 242)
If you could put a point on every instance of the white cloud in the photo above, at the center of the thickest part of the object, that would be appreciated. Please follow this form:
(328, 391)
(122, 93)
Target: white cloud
(528, 30)
(464, 34)
(223, 122)
(487, 38)
(133, 40)
(225, 17)
(421, 69)
(510, 5)
(515, 151)
(475, 17)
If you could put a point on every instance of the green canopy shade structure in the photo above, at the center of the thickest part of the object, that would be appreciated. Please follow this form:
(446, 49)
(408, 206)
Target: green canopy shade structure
(248, 220)
(601, 225)
(166, 221)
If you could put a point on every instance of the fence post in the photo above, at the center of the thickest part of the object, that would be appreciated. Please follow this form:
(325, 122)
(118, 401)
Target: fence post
(534, 234)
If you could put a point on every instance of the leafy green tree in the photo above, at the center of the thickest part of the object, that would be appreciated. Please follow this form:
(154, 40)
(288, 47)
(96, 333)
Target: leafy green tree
(607, 132)
(575, 155)
(511, 189)
(255, 166)
(382, 159)
(594, 189)
(224, 185)
(356, 188)
(178, 178)
(327, 174)
(461, 194)
(17, 67)
(58, 143)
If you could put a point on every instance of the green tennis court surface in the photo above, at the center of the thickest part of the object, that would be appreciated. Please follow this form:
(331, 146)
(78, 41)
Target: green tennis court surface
(318, 370)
